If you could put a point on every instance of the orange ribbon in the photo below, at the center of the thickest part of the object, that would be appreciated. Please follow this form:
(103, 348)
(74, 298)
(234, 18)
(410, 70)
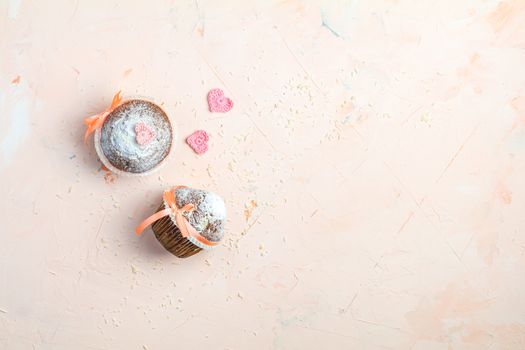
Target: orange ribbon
(95, 122)
(184, 226)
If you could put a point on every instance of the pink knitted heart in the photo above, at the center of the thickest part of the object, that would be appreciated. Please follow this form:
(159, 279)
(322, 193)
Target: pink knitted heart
(198, 141)
(218, 102)
(144, 134)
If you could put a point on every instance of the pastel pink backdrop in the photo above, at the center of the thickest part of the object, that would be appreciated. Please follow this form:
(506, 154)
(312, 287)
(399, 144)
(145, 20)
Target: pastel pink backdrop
(373, 168)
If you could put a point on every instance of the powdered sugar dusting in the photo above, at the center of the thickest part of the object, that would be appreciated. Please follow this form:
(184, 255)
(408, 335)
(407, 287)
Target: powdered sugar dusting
(209, 214)
(119, 137)
(214, 204)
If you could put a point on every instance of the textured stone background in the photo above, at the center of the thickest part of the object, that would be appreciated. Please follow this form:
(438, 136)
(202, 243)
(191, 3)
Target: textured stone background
(373, 168)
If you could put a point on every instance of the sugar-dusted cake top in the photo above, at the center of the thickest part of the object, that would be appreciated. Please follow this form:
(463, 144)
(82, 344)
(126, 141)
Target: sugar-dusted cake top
(136, 136)
(209, 214)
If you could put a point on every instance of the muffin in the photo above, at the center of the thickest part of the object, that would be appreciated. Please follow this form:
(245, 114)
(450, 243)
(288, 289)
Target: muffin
(187, 221)
(134, 138)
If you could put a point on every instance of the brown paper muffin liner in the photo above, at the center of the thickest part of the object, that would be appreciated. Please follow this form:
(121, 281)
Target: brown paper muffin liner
(169, 235)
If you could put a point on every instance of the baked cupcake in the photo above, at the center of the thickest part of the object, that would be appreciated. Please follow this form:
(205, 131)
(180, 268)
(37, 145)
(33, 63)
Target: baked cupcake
(187, 221)
(132, 137)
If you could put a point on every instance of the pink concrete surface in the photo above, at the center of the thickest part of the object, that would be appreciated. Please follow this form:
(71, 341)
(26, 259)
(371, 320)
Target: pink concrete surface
(373, 167)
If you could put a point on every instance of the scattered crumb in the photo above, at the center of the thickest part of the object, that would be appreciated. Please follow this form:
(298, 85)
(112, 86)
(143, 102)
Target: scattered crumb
(109, 177)
(209, 170)
(426, 118)
(249, 209)
(504, 194)
(16, 80)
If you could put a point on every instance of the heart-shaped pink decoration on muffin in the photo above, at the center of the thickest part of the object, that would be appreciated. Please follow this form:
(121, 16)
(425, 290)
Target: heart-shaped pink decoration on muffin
(198, 141)
(144, 134)
(218, 102)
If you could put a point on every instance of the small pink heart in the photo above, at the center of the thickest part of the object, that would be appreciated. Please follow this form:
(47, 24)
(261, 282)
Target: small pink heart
(144, 134)
(198, 141)
(218, 102)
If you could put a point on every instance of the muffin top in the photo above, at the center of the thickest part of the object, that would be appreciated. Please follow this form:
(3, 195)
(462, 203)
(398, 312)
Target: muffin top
(209, 212)
(136, 136)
